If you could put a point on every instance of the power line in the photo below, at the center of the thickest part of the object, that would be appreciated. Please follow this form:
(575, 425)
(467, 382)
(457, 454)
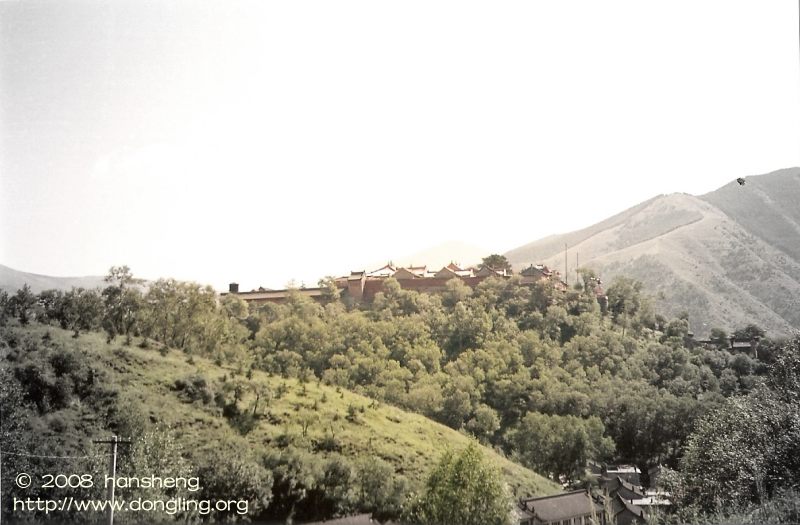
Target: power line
(44, 456)
(6, 453)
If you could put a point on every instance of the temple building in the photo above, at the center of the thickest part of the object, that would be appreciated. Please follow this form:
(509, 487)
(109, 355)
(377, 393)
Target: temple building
(363, 286)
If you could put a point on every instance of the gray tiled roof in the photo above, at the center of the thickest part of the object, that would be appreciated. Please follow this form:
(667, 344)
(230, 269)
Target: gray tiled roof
(561, 506)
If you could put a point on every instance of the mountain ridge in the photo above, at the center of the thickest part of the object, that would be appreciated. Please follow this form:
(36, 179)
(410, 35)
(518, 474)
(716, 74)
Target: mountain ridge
(728, 257)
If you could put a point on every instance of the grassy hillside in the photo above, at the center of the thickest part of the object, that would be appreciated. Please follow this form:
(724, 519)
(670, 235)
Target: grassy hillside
(147, 378)
(728, 258)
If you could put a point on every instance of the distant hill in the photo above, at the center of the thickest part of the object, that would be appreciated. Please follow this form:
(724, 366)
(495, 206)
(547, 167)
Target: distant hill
(728, 258)
(12, 280)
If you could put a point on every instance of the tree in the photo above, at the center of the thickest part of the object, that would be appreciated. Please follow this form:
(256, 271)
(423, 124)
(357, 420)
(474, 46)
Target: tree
(4, 307)
(496, 262)
(334, 489)
(484, 423)
(16, 435)
(83, 310)
(464, 488)
(53, 305)
(625, 298)
(234, 307)
(185, 316)
(156, 450)
(306, 419)
(748, 449)
(719, 338)
(330, 292)
(226, 473)
(727, 458)
(122, 302)
(22, 304)
(588, 279)
(543, 295)
(455, 292)
(749, 333)
(560, 445)
(382, 492)
(262, 392)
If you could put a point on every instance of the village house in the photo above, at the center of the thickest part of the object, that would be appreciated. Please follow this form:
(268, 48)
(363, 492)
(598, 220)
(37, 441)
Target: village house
(358, 519)
(539, 272)
(733, 344)
(624, 512)
(629, 473)
(570, 508)
(627, 502)
(617, 485)
(266, 295)
(651, 500)
(745, 346)
(620, 503)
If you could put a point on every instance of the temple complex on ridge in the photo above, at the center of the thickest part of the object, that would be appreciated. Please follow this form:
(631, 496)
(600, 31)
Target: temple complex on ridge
(362, 285)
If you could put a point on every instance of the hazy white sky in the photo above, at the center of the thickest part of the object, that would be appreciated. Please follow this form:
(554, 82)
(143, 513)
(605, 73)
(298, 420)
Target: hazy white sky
(265, 141)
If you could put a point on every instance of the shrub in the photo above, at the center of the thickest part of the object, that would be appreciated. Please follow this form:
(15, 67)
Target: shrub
(194, 388)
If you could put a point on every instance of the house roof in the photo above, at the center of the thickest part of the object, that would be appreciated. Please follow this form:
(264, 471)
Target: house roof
(651, 500)
(613, 485)
(446, 272)
(533, 270)
(406, 273)
(620, 504)
(358, 519)
(489, 270)
(622, 469)
(266, 295)
(384, 271)
(523, 514)
(561, 506)
(537, 270)
(630, 486)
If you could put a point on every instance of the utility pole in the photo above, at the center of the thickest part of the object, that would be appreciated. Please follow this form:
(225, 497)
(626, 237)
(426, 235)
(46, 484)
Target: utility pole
(566, 267)
(114, 441)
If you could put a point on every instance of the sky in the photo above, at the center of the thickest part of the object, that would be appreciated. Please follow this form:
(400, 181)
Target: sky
(263, 142)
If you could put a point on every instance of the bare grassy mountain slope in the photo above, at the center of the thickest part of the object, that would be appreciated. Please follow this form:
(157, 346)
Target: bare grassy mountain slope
(12, 280)
(728, 258)
(769, 208)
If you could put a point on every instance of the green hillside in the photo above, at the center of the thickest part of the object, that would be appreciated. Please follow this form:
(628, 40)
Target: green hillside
(150, 381)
